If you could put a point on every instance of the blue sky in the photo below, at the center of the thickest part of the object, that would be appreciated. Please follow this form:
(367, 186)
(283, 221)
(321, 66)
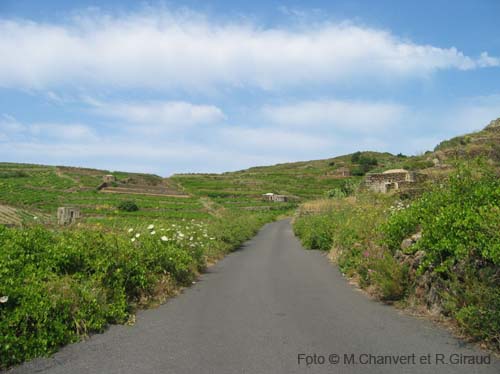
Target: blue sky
(211, 86)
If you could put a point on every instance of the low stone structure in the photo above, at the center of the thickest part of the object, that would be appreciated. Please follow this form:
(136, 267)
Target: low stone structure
(67, 215)
(108, 178)
(391, 180)
(275, 197)
(341, 172)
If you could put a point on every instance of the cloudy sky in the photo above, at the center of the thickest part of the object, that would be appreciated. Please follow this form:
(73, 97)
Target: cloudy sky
(199, 86)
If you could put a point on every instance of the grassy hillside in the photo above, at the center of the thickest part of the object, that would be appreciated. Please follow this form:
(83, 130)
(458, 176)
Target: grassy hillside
(300, 180)
(41, 189)
(484, 143)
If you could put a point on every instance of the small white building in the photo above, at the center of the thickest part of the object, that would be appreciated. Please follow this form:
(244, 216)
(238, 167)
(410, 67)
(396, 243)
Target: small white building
(268, 196)
(274, 197)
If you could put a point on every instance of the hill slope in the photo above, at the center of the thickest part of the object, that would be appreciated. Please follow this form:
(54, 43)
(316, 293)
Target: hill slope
(40, 189)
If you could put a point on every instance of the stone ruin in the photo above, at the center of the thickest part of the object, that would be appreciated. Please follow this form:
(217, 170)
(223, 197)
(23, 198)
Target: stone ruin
(341, 172)
(67, 215)
(108, 178)
(274, 197)
(392, 180)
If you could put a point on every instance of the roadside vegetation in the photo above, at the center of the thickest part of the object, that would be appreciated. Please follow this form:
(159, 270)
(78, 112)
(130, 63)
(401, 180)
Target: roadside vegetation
(57, 286)
(440, 250)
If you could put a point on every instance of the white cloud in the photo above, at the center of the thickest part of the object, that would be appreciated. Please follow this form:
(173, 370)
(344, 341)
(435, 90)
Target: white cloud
(13, 130)
(10, 126)
(487, 61)
(161, 49)
(68, 132)
(159, 115)
(268, 139)
(351, 116)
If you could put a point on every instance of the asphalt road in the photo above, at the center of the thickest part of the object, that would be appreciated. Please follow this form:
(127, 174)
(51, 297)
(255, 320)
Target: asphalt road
(256, 311)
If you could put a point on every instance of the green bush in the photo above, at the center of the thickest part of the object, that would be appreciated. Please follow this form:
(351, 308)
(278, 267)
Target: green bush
(413, 164)
(128, 206)
(335, 193)
(458, 220)
(390, 277)
(65, 284)
(480, 318)
(460, 223)
(13, 174)
(315, 232)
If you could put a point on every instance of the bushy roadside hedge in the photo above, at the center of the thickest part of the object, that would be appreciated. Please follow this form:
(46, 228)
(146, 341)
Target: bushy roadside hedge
(56, 286)
(459, 223)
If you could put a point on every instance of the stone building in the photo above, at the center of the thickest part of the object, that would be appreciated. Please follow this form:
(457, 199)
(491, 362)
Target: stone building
(274, 197)
(341, 172)
(391, 180)
(67, 215)
(108, 178)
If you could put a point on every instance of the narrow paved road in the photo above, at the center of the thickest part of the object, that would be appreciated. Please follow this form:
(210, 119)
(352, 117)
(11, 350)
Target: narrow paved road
(255, 312)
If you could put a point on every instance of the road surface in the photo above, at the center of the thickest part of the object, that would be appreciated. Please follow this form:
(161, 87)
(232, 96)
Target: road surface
(268, 308)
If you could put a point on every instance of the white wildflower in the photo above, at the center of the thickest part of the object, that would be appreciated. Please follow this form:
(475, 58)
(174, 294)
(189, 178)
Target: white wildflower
(151, 227)
(130, 229)
(153, 232)
(4, 299)
(137, 235)
(164, 238)
(132, 240)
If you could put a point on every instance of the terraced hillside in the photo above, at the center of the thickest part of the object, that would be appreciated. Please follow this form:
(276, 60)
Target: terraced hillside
(299, 180)
(484, 143)
(41, 189)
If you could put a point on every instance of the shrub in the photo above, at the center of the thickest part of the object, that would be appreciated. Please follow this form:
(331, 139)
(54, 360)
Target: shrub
(128, 206)
(480, 318)
(461, 240)
(390, 277)
(458, 220)
(335, 193)
(65, 284)
(13, 174)
(365, 164)
(314, 231)
(355, 157)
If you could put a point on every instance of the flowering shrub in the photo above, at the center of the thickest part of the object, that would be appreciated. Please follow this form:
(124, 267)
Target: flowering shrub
(56, 286)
